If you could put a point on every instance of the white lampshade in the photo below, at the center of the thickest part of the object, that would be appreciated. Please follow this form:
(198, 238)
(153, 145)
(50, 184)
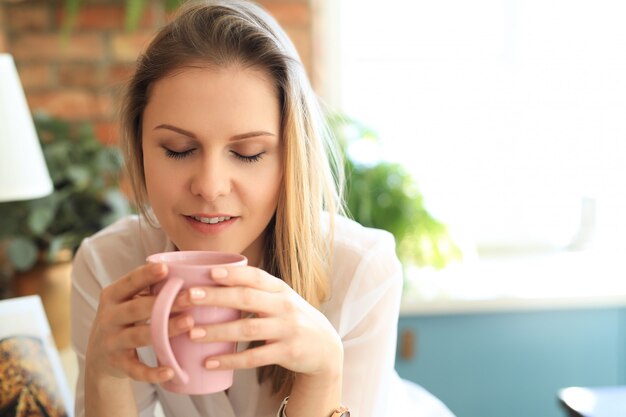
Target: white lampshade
(23, 171)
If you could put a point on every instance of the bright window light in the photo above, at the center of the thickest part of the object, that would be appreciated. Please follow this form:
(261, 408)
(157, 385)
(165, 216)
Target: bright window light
(510, 113)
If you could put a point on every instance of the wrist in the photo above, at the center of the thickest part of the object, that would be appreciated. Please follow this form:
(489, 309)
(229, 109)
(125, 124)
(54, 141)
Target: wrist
(340, 411)
(332, 360)
(98, 375)
(322, 381)
(315, 395)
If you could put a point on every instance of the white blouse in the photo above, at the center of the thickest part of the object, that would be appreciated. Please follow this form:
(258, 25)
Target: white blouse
(366, 284)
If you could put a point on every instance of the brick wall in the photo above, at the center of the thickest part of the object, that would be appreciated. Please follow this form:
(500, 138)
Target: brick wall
(3, 46)
(80, 79)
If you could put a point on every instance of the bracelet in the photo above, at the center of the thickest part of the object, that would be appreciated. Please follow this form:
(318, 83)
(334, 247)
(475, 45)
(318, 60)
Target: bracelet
(283, 406)
(340, 411)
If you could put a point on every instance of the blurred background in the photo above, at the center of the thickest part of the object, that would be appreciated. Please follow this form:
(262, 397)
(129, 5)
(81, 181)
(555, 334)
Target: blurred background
(488, 136)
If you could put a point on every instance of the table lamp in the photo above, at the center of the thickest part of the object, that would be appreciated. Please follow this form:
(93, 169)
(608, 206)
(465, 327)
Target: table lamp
(23, 171)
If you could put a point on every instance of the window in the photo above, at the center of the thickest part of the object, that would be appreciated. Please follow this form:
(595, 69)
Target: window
(510, 113)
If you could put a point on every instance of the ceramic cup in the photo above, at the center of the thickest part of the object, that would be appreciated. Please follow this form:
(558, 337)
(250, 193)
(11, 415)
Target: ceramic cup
(188, 269)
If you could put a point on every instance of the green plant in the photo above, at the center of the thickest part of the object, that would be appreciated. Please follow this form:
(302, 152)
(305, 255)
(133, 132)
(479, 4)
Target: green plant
(86, 196)
(384, 195)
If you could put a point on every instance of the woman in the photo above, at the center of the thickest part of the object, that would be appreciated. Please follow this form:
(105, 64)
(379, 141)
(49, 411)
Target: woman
(227, 150)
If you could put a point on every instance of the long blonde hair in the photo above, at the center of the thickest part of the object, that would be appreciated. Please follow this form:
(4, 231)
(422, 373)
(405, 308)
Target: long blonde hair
(223, 32)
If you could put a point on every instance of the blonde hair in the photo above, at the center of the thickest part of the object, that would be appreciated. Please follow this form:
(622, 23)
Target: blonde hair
(225, 32)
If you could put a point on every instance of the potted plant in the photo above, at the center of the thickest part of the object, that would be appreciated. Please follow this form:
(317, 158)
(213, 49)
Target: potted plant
(40, 236)
(384, 195)
(86, 197)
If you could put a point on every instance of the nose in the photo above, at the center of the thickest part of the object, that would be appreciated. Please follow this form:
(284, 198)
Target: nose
(211, 179)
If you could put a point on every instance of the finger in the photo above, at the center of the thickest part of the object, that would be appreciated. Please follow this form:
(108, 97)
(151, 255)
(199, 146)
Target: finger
(143, 293)
(247, 276)
(132, 337)
(182, 302)
(131, 284)
(139, 309)
(179, 325)
(245, 330)
(241, 298)
(144, 373)
(250, 358)
(135, 310)
(140, 335)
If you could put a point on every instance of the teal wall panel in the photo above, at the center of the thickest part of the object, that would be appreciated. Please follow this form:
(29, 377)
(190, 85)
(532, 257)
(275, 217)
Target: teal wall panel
(513, 363)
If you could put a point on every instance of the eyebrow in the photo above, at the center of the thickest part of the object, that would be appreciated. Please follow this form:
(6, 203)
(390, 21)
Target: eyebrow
(241, 136)
(177, 130)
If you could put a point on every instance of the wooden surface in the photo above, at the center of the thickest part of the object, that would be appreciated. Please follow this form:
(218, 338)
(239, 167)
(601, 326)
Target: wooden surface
(52, 283)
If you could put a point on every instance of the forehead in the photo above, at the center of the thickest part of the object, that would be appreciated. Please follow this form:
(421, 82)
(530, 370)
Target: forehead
(215, 84)
(234, 93)
(205, 74)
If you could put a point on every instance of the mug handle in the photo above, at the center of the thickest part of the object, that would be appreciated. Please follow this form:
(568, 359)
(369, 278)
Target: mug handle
(158, 325)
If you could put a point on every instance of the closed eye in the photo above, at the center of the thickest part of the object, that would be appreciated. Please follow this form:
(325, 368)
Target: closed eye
(178, 155)
(248, 158)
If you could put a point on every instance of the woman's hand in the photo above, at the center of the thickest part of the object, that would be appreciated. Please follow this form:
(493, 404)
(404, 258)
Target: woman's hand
(120, 326)
(297, 336)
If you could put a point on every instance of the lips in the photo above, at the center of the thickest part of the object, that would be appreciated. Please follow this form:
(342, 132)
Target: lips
(211, 220)
(211, 223)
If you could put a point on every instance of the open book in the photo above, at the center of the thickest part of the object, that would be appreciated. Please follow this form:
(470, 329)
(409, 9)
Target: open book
(32, 382)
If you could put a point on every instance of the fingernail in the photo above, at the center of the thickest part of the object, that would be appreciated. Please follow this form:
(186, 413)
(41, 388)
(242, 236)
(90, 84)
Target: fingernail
(219, 273)
(197, 333)
(197, 293)
(211, 363)
(185, 322)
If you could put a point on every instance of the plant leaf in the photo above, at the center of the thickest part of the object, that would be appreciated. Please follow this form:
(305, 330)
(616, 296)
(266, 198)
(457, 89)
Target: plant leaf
(172, 4)
(134, 11)
(56, 244)
(41, 215)
(22, 253)
(117, 202)
(109, 160)
(385, 196)
(69, 18)
(79, 176)
(12, 218)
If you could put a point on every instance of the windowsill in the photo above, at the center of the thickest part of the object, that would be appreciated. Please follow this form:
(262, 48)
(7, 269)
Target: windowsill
(557, 280)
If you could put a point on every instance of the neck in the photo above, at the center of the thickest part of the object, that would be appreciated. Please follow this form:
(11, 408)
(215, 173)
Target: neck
(255, 252)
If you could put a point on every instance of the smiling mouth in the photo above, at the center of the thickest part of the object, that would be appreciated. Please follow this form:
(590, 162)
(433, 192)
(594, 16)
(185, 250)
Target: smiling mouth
(210, 220)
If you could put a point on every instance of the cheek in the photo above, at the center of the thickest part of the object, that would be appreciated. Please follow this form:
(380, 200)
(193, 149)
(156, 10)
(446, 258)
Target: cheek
(268, 195)
(161, 182)
(151, 174)
(259, 189)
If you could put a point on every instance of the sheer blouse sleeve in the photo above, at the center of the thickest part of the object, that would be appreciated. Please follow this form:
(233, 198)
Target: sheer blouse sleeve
(368, 327)
(89, 276)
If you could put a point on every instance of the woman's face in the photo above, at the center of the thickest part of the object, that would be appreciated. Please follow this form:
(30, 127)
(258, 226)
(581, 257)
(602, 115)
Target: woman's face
(212, 157)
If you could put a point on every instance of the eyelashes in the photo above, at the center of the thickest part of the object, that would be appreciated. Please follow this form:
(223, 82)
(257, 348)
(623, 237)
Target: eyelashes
(248, 158)
(184, 154)
(178, 155)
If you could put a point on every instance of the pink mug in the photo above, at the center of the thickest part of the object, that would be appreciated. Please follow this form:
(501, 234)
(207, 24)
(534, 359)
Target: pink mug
(188, 269)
